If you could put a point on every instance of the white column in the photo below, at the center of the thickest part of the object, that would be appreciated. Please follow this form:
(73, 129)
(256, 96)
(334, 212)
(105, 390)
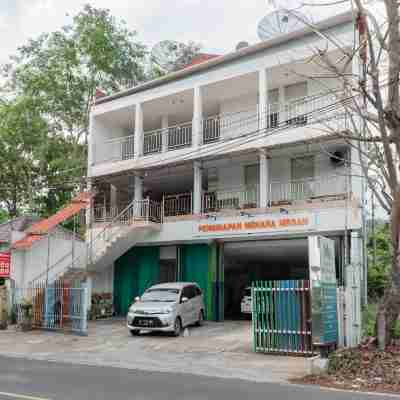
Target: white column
(138, 131)
(282, 104)
(197, 117)
(138, 187)
(264, 179)
(131, 187)
(113, 196)
(89, 287)
(263, 97)
(197, 187)
(164, 136)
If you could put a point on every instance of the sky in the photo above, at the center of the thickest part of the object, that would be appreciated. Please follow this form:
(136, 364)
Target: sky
(218, 24)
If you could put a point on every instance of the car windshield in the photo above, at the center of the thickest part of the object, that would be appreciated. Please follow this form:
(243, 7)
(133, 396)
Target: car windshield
(160, 295)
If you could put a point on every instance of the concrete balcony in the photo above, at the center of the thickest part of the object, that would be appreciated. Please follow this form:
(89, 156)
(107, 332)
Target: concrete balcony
(288, 193)
(320, 109)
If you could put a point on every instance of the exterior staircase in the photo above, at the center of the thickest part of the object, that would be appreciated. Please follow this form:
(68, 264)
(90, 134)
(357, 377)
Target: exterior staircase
(106, 243)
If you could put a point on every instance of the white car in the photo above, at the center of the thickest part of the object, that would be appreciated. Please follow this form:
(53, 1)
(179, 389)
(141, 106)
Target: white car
(245, 304)
(167, 307)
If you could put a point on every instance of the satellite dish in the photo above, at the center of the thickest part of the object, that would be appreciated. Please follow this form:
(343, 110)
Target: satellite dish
(165, 54)
(280, 22)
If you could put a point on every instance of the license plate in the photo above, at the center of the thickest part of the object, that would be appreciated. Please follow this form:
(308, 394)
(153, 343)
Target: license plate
(144, 322)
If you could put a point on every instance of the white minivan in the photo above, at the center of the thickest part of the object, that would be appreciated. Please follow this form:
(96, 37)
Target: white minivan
(167, 307)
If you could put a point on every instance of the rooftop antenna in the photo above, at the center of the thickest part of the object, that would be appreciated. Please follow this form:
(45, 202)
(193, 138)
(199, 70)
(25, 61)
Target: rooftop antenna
(284, 18)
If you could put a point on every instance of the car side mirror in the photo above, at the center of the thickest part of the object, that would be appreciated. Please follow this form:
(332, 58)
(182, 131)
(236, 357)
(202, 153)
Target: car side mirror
(137, 298)
(184, 300)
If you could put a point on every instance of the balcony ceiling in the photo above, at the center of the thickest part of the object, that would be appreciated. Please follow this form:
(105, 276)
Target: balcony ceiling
(271, 253)
(179, 106)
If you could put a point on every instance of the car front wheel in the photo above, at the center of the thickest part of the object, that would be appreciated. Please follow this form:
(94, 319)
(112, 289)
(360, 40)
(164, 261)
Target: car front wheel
(135, 332)
(177, 327)
(200, 320)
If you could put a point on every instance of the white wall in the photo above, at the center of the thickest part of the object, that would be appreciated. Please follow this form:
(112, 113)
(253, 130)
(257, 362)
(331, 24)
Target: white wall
(239, 116)
(102, 132)
(328, 220)
(232, 176)
(274, 56)
(28, 264)
(103, 281)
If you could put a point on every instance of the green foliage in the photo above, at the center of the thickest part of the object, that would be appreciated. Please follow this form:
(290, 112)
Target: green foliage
(44, 127)
(186, 53)
(378, 274)
(3, 215)
(62, 69)
(369, 319)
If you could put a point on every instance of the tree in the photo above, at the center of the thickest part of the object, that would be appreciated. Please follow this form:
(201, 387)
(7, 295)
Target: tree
(52, 81)
(35, 162)
(169, 56)
(380, 262)
(370, 101)
(22, 130)
(62, 69)
(186, 53)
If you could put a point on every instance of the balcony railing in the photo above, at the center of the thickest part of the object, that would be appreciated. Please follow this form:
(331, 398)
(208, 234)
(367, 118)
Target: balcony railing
(180, 136)
(177, 204)
(230, 199)
(152, 142)
(320, 108)
(107, 213)
(117, 149)
(307, 189)
(170, 138)
(140, 209)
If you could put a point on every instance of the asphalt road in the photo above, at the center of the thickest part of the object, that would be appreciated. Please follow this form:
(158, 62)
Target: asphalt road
(38, 380)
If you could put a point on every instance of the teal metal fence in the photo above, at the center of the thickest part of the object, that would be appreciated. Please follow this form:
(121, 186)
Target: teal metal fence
(281, 317)
(56, 306)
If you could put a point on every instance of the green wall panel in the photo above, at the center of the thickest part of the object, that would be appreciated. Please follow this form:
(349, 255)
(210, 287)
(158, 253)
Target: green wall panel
(124, 282)
(134, 272)
(148, 267)
(198, 263)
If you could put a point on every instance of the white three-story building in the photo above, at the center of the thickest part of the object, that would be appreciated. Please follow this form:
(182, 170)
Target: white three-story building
(219, 173)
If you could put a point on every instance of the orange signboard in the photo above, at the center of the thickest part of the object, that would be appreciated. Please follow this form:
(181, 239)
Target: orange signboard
(258, 224)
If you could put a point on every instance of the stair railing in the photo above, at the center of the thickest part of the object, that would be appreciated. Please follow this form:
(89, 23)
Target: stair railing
(142, 212)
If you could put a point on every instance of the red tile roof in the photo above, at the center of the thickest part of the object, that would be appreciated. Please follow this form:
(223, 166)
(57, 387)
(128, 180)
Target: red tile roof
(200, 58)
(40, 229)
(26, 242)
(77, 204)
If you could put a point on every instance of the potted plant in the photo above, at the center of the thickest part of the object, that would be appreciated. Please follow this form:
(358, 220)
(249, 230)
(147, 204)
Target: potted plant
(25, 323)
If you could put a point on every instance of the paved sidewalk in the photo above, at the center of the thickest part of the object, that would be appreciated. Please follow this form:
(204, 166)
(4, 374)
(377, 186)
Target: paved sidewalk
(216, 349)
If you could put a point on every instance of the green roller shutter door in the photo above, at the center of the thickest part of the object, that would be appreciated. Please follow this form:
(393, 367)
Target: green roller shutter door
(134, 272)
(148, 267)
(198, 263)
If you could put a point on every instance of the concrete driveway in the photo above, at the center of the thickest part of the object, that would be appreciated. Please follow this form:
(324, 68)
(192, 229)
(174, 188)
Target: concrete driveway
(215, 349)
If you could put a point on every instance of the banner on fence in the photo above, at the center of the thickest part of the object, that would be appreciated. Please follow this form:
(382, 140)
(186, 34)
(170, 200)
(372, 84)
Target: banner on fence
(323, 290)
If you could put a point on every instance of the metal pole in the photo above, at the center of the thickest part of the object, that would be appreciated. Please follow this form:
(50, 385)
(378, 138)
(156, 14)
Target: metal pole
(48, 258)
(73, 242)
(373, 232)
